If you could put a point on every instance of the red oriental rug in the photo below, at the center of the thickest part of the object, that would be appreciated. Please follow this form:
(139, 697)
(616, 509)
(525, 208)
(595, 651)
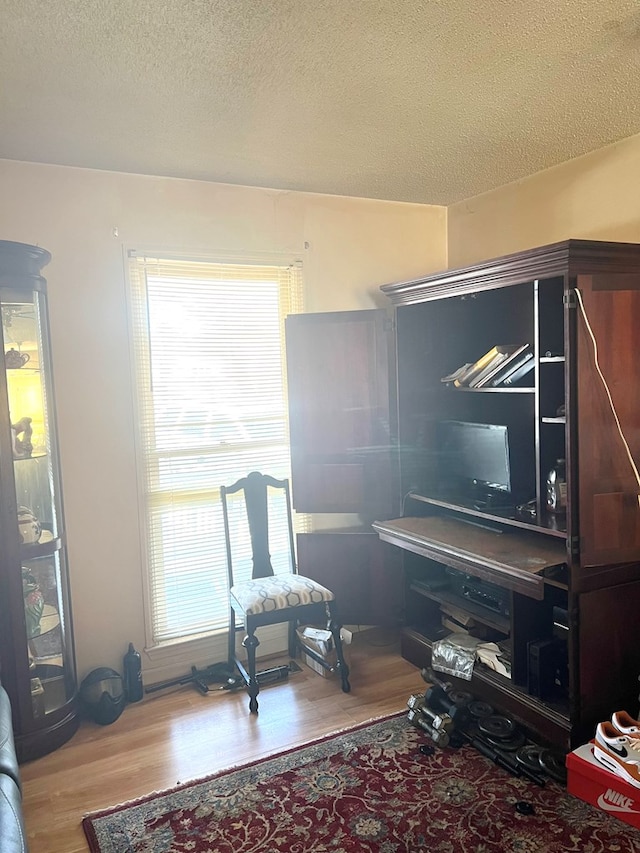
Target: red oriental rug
(366, 789)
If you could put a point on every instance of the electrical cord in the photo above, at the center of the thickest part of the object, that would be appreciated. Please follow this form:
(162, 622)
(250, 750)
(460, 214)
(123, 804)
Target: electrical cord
(606, 388)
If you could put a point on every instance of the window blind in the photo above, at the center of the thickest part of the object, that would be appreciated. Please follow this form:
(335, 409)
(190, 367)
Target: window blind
(212, 407)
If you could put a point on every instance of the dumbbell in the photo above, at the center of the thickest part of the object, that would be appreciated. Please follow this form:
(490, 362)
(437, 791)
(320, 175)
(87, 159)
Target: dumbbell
(437, 721)
(436, 698)
(438, 736)
(429, 675)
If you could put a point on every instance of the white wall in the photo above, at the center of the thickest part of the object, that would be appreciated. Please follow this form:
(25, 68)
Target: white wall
(354, 245)
(594, 197)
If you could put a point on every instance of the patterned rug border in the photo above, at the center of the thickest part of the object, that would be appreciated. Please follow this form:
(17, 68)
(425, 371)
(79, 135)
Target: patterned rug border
(364, 787)
(219, 774)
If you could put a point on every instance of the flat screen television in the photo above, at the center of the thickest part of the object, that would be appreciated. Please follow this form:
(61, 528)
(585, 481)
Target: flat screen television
(474, 462)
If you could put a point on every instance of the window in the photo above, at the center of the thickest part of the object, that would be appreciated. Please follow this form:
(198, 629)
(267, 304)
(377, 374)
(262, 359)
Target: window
(211, 395)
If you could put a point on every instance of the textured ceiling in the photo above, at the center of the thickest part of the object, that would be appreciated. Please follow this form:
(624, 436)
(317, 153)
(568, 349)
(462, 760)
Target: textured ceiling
(431, 101)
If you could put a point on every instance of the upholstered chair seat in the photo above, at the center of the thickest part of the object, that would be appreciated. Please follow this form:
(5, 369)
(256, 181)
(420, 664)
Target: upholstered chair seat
(279, 592)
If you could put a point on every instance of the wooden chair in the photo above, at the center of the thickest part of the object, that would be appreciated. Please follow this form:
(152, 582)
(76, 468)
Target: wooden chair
(267, 598)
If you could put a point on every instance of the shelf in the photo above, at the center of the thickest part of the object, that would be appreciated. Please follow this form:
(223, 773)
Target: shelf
(556, 712)
(49, 620)
(481, 614)
(41, 549)
(512, 560)
(499, 390)
(490, 518)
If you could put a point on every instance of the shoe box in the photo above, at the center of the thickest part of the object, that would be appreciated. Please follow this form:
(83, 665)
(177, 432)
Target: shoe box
(588, 780)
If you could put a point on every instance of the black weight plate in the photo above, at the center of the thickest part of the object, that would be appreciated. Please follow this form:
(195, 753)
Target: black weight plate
(480, 709)
(509, 744)
(497, 726)
(460, 698)
(529, 756)
(553, 764)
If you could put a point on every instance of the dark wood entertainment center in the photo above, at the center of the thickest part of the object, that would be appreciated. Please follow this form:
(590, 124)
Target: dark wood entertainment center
(557, 592)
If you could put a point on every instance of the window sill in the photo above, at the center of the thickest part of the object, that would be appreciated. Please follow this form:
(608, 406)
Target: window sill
(174, 659)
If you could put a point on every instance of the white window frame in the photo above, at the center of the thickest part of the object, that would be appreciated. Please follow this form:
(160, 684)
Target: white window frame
(168, 651)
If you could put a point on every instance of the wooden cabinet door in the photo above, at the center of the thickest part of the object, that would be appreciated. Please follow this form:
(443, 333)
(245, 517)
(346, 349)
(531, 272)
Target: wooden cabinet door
(364, 574)
(340, 415)
(609, 660)
(608, 430)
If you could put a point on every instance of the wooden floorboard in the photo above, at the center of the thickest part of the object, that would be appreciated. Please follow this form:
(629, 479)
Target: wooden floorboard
(180, 735)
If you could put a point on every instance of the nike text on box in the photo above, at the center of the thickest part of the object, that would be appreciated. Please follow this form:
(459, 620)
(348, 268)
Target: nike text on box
(591, 782)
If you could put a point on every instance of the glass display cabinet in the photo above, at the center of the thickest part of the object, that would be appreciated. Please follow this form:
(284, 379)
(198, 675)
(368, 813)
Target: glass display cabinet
(37, 665)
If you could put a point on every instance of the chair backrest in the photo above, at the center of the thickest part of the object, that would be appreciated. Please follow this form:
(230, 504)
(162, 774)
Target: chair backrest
(255, 487)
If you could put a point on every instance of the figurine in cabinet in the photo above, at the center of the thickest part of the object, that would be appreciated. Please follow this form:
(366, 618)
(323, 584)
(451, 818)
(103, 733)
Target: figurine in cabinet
(21, 433)
(14, 359)
(29, 526)
(33, 603)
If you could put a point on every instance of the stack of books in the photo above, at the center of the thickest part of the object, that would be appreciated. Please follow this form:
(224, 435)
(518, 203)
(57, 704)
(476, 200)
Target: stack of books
(503, 364)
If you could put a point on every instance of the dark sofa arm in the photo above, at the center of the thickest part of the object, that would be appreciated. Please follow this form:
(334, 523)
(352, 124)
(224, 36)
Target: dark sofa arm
(8, 760)
(12, 835)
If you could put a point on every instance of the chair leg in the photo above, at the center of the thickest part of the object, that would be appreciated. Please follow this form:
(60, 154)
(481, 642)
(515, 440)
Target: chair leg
(231, 646)
(251, 643)
(334, 626)
(293, 645)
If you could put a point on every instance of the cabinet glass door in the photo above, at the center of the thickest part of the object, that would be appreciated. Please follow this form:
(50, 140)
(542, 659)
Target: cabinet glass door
(38, 666)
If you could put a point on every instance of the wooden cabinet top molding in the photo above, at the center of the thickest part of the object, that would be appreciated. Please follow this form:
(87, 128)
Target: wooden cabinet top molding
(569, 257)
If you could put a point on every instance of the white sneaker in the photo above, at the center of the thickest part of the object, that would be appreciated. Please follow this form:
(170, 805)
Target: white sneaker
(618, 752)
(626, 724)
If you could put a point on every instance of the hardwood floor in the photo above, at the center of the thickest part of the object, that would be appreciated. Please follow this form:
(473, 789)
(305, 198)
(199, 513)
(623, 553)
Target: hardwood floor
(180, 735)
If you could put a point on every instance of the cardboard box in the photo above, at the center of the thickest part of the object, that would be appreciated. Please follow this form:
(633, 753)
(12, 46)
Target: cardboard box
(321, 641)
(588, 780)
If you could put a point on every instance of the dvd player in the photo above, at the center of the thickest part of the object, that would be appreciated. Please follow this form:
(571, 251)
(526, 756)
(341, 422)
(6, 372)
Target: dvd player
(480, 592)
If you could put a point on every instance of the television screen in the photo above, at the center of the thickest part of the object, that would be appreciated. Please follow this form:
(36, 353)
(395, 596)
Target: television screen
(475, 459)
